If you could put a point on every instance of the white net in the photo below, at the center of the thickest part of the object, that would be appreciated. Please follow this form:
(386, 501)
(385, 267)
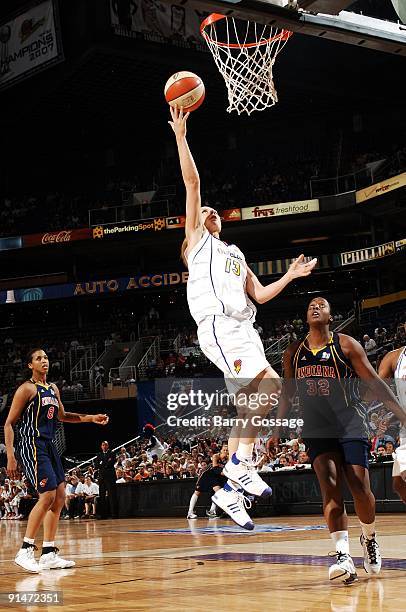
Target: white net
(245, 53)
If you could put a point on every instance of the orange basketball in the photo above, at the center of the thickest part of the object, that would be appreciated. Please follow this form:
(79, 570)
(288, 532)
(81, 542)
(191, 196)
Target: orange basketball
(185, 89)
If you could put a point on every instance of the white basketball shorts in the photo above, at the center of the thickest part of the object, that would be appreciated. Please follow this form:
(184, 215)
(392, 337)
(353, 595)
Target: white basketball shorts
(399, 463)
(235, 347)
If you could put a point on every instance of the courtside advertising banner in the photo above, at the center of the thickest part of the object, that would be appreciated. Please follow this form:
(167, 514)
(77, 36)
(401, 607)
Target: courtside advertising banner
(395, 182)
(29, 42)
(280, 210)
(231, 214)
(368, 254)
(155, 224)
(57, 237)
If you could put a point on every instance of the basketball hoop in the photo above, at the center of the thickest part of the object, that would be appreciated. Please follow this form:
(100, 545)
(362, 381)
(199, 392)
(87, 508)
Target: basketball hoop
(245, 53)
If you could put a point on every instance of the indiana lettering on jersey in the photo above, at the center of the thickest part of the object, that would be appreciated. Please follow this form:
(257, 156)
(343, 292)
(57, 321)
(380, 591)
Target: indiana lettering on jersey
(45, 401)
(316, 370)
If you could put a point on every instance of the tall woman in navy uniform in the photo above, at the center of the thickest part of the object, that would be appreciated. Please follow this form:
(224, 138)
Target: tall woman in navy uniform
(325, 369)
(35, 409)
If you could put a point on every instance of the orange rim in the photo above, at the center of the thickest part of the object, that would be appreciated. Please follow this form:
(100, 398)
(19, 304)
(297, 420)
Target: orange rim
(213, 17)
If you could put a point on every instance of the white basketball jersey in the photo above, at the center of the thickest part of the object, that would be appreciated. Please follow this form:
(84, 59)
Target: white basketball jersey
(216, 283)
(400, 381)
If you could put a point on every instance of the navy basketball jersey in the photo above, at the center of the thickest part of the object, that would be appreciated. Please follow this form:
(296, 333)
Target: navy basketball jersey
(39, 418)
(329, 394)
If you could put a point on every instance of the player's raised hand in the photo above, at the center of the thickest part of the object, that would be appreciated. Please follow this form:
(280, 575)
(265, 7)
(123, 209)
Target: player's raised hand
(100, 419)
(178, 123)
(300, 268)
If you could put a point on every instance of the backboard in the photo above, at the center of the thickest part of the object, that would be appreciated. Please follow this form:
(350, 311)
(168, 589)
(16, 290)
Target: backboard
(329, 19)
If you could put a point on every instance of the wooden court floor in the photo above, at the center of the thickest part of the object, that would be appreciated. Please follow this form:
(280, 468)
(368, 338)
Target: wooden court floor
(175, 564)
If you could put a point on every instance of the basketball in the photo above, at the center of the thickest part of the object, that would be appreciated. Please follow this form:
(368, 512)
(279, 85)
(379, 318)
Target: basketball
(185, 89)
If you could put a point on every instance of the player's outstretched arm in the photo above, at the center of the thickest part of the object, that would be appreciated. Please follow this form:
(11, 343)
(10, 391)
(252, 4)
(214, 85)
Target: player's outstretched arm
(190, 174)
(74, 417)
(22, 397)
(263, 293)
(380, 390)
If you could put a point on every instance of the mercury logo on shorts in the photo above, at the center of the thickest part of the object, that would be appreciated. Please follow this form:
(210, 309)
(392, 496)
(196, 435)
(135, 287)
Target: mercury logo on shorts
(237, 365)
(43, 482)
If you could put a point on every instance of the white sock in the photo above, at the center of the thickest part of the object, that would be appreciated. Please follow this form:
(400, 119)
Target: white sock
(368, 529)
(340, 539)
(29, 540)
(213, 507)
(244, 451)
(192, 503)
(48, 544)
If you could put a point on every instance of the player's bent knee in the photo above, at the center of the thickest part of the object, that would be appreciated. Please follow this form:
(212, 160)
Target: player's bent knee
(59, 499)
(329, 483)
(360, 487)
(47, 498)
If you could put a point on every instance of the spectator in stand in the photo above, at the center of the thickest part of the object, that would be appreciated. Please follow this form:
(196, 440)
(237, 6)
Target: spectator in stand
(142, 473)
(170, 473)
(369, 346)
(380, 336)
(72, 497)
(282, 462)
(191, 471)
(123, 453)
(389, 449)
(17, 492)
(7, 496)
(151, 474)
(400, 337)
(120, 476)
(380, 455)
(303, 458)
(90, 492)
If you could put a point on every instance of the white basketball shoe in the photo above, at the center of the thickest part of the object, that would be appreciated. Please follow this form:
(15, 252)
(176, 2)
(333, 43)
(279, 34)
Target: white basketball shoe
(234, 503)
(372, 555)
(343, 568)
(52, 560)
(25, 558)
(244, 473)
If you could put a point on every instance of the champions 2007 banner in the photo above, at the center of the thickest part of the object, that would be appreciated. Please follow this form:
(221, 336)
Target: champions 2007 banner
(158, 22)
(29, 42)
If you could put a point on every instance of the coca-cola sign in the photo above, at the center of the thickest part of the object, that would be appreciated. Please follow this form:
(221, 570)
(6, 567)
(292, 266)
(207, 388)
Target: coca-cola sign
(63, 236)
(60, 236)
